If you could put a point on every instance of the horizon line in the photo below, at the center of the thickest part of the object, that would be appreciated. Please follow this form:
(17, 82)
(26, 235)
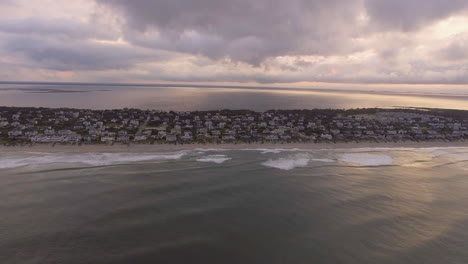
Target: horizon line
(259, 85)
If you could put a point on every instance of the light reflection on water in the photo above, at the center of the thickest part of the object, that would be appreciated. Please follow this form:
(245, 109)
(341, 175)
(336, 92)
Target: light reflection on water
(173, 98)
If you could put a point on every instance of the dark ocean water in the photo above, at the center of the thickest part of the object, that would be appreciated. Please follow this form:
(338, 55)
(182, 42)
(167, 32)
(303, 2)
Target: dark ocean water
(251, 206)
(209, 98)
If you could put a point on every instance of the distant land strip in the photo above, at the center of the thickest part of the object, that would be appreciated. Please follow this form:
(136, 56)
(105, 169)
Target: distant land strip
(26, 125)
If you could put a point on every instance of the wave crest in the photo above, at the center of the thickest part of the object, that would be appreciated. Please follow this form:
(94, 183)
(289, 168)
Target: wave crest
(366, 159)
(90, 159)
(218, 159)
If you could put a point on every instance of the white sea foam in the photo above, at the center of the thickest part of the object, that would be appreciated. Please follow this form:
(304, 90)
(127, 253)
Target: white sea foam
(274, 151)
(288, 163)
(12, 163)
(203, 150)
(91, 159)
(295, 161)
(115, 158)
(366, 159)
(218, 159)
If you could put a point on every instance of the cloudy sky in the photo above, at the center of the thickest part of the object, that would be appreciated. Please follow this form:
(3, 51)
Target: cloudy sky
(343, 42)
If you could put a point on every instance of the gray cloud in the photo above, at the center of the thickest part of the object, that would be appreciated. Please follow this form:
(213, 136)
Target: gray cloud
(410, 15)
(252, 31)
(58, 27)
(264, 41)
(242, 30)
(79, 55)
(420, 75)
(455, 51)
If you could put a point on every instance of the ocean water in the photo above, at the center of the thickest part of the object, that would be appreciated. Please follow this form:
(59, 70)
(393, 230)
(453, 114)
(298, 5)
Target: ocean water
(212, 98)
(368, 205)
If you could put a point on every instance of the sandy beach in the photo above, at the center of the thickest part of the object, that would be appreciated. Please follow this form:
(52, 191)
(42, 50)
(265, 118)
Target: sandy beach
(157, 148)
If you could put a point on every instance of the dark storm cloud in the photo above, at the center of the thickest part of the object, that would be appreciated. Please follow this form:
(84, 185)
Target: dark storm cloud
(242, 30)
(410, 15)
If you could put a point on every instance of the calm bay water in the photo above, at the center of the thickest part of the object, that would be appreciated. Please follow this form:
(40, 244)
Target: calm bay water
(186, 99)
(247, 206)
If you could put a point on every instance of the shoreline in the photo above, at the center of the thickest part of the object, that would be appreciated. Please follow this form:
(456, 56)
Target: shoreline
(158, 148)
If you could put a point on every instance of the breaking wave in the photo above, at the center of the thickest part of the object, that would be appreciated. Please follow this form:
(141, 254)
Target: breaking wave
(218, 159)
(203, 150)
(284, 159)
(286, 164)
(275, 151)
(90, 159)
(294, 161)
(366, 159)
